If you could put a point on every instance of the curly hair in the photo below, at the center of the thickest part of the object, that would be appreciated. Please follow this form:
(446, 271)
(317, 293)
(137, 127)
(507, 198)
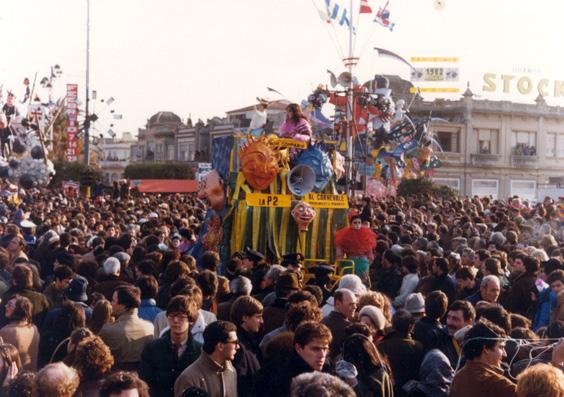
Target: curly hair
(93, 359)
(22, 385)
(56, 379)
(540, 380)
(123, 380)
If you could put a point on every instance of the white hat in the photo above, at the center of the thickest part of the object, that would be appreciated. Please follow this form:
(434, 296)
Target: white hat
(353, 283)
(415, 303)
(112, 266)
(153, 215)
(375, 315)
(28, 224)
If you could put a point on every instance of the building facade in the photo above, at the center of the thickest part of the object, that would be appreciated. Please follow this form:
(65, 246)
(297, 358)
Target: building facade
(157, 141)
(115, 156)
(497, 148)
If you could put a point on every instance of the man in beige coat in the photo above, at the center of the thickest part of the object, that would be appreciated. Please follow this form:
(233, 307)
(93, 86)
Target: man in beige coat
(213, 371)
(129, 334)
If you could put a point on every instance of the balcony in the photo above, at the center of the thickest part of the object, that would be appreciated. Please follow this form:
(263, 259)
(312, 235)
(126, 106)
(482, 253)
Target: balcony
(484, 159)
(524, 161)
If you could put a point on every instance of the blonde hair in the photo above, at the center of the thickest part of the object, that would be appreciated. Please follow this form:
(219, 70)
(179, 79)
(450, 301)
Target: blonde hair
(540, 380)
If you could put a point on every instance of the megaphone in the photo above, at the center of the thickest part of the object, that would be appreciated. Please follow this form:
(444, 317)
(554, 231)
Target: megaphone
(301, 180)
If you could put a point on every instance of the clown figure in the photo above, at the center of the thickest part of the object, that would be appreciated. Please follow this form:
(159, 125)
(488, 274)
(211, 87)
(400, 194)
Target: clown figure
(356, 242)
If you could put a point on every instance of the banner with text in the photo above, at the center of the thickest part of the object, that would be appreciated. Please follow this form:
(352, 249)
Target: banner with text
(71, 112)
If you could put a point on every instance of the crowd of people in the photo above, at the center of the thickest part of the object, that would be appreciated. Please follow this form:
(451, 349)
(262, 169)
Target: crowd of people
(101, 297)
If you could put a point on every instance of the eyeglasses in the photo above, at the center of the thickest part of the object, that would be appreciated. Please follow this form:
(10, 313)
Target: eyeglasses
(178, 317)
(234, 342)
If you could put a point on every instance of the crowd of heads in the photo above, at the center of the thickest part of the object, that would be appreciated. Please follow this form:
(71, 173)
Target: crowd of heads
(100, 288)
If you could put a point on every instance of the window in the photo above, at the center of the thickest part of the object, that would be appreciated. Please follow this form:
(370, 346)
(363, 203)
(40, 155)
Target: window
(448, 140)
(551, 145)
(487, 141)
(159, 151)
(560, 145)
(524, 143)
(183, 152)
(527, 190)
(453, 183)
(191, 147)
(485, 187)
(170, 152)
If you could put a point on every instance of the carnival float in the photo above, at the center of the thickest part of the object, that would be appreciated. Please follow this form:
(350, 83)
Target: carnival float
(288, 190)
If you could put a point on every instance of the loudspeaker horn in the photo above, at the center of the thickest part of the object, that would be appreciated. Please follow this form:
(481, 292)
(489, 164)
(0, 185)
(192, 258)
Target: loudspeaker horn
(301, 180)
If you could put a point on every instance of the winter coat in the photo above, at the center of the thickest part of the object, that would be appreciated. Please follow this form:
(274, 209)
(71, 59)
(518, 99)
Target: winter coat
(478, 379)
(206, 374)
(246, 362)
(160, 365)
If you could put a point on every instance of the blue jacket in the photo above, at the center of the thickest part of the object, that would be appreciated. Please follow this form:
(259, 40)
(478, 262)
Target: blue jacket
(546, 302)
(148, 310)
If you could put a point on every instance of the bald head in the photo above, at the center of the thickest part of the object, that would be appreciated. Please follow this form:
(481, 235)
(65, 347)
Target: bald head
(56, 380)
(345, 302)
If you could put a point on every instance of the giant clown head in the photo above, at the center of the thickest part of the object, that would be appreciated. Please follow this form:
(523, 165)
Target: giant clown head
(211, 189)
(259, 163)
(319, 161)
(303, 214)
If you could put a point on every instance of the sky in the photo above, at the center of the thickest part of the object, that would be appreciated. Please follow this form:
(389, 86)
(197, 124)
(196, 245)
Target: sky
(201, 58)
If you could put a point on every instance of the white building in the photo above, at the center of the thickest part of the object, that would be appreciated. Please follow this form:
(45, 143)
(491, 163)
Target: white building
(116, 156)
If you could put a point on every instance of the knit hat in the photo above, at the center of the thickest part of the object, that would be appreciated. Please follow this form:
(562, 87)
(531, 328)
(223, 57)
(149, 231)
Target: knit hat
(375, 315)
(415, 303)
(76, 290)
(353, 283)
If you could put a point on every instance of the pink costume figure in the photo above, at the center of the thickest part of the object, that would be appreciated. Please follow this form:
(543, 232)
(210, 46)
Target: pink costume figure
(296, 125)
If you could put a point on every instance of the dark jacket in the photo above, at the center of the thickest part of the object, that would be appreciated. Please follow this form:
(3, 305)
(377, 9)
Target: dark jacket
(376, 383)
(39, 301)
(446, 284)
(441, 340)
(404, 355)
(224, 308)
(275, 381)
(337, 323)
(423, 330)
(517, 299)
(160, 366)
(388, 281)
(108, 286)
(246, 362)
(274, 315)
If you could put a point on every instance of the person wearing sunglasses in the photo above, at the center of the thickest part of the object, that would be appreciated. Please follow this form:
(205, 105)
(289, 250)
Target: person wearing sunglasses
(213, 371)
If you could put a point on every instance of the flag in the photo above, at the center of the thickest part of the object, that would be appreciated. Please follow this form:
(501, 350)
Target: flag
(365, 7)
(383, 18)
